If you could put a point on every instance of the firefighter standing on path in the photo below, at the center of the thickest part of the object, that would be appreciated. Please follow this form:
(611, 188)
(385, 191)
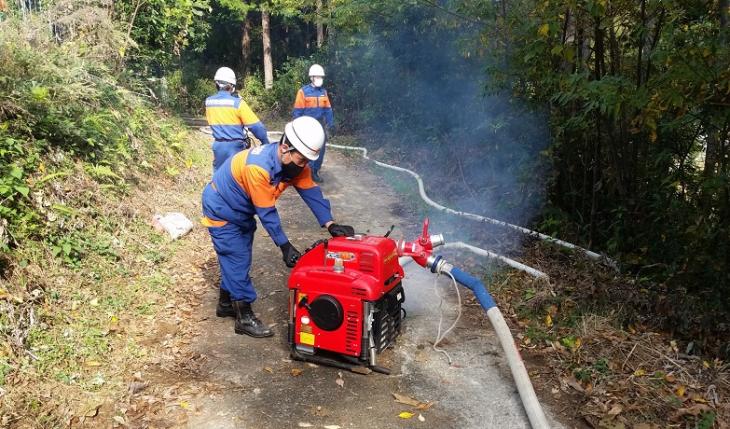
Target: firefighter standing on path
(227, 116)
(248, 184)
(312, 100)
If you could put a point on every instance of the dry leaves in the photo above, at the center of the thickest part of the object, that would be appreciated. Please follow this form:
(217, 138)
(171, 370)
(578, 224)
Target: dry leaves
(407, 400)
(89, 408)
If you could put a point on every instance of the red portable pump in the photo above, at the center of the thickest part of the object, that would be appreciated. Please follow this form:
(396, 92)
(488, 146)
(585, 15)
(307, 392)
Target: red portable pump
(345, 297)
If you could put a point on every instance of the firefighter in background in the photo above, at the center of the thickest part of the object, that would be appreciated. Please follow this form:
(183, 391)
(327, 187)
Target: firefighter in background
(227, 115)
(312, 100)
(248, 184)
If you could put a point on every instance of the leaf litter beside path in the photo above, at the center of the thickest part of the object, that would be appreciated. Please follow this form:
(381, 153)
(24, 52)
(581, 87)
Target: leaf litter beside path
(596, 365)
(103, 343)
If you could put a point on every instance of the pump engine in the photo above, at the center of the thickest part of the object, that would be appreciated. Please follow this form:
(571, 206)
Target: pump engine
(346, 296)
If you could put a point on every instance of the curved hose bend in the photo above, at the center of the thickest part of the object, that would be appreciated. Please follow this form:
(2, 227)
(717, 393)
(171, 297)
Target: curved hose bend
(519, 372)
(422, 191)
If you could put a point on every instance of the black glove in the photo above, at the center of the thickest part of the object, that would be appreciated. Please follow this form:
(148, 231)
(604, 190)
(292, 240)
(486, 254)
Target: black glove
(341, 230)
(289, 254)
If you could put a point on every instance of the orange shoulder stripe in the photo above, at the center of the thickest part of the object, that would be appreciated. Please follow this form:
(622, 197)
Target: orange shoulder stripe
(254, 180)
(304, 179)
(299, 102)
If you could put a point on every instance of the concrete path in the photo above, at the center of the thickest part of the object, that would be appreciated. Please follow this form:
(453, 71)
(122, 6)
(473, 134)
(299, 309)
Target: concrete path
(263, 388)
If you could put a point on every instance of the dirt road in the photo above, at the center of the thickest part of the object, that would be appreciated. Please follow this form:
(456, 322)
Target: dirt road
(233, 381)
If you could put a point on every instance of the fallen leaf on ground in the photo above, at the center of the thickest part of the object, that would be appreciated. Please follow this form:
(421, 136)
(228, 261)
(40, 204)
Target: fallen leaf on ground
(572, 382)
(694, 410)
(332, 427)
(406, 415)
(421, 418)
(89, 409)
(305, 425)
(425, 405)
(680, 390)
(615, 410)
(407, 400)
(296, 372)
(119, 419)
(268, 369)
(698, 398)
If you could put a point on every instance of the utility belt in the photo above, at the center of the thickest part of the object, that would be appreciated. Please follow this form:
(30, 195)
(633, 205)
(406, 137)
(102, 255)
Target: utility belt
(246, 142)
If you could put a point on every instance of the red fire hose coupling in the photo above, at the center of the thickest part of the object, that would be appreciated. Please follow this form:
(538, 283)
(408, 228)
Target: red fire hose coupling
(422, 248)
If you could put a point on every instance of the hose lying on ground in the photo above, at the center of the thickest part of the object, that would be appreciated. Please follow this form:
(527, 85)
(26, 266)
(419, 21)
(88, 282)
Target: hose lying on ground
(511, 262)
(593, 255)
(519, 372)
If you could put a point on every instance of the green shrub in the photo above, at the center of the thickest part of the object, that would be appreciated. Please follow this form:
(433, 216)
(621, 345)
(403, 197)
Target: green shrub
(63, 113)
(184, 94)
(280, 98)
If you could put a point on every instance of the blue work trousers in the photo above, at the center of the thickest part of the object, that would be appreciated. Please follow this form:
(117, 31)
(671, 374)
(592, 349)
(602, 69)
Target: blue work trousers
(316, 165)
(222, 150)
(233, 243)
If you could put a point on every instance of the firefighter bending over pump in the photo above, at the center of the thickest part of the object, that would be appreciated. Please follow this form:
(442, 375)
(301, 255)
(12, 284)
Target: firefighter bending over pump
(227, 115)
(248, 184)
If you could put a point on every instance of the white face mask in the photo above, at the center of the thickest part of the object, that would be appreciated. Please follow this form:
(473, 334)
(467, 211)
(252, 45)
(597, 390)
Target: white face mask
(317, 81)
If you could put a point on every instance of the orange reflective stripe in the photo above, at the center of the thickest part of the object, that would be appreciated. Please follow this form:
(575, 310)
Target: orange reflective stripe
(324, 102)
(310, 102)
(279, 189)
(212, 223)
(254, 180)
(299, 102)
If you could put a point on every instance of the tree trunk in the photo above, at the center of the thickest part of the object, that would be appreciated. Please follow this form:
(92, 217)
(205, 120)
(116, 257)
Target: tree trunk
(640, 50)
(246, 45)
(266, 36)
(320, 23)
(712, 152)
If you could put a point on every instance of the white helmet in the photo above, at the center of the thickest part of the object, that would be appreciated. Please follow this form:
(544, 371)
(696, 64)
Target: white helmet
(316, 70)
(306, 135)
(224, 74)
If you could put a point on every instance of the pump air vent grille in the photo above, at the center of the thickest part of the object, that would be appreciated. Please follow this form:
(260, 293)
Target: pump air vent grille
(360, 291)
(367, 262)
(352, 329)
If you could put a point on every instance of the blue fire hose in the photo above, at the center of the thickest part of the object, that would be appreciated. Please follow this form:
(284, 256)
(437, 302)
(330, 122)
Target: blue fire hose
(519, 372)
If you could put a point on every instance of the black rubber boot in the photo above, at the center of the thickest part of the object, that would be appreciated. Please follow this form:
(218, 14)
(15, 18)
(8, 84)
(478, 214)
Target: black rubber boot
(224, 308)
(247, 322)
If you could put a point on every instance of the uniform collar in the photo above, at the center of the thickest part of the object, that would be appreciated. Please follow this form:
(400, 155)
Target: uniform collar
(276, 176)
